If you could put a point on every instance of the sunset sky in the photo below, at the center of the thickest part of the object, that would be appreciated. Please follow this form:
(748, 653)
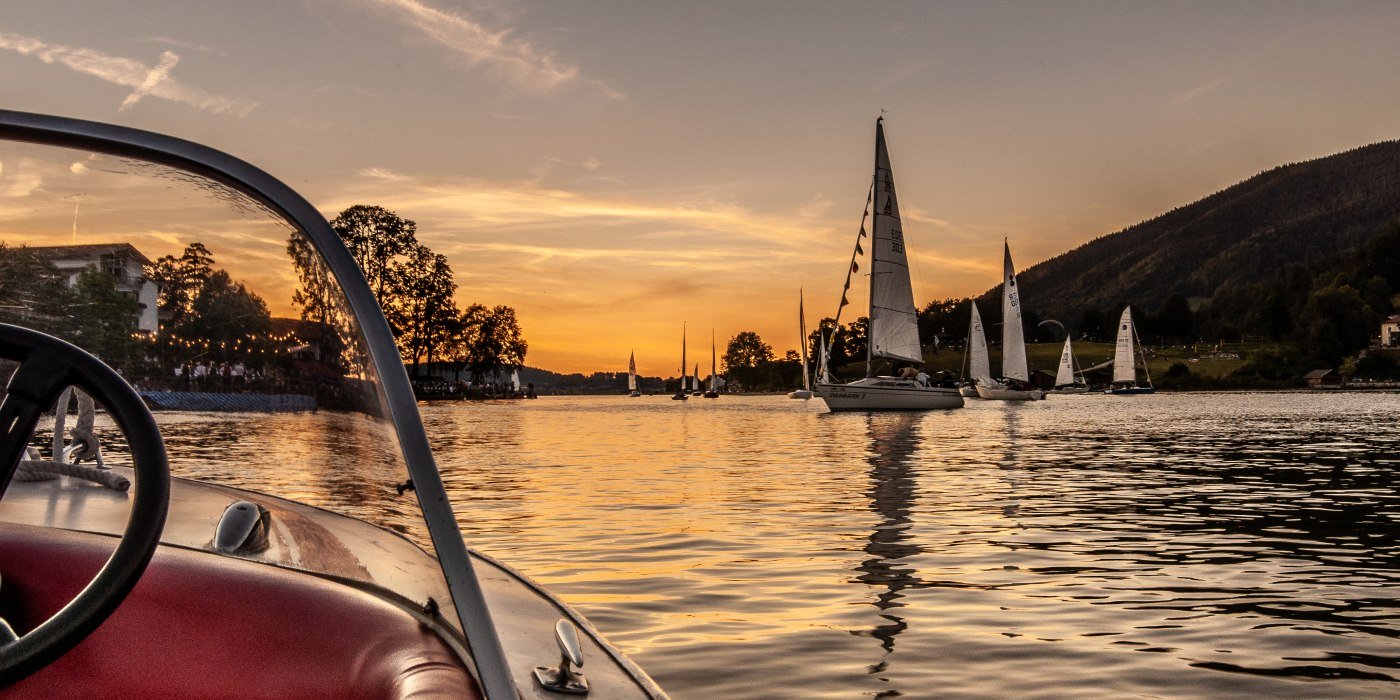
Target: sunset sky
(612, 169)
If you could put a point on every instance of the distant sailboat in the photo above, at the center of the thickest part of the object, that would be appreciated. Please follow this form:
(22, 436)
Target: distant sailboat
(1014, 384)
(713, 391)
(682, 394)
(979, 364)
(893, 329)
(695, 381)
(1124, 361)
(632, 376)
(1066, 381)
(806, 391)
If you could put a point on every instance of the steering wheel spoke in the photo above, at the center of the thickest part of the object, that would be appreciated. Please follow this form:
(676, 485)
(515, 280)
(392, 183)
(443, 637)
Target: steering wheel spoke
(32, 389)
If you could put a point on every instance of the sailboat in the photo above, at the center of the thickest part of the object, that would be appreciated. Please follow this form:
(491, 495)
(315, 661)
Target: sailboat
(893, 331)
(682, 394)
(713, 391)
(980, 366)
(1065, 380)
(1124, 362)
(695, 381)
(806, 391)
(632, 376)
(1014, 384)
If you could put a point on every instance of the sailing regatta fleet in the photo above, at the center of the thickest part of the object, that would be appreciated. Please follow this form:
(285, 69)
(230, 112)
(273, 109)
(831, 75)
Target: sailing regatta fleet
(895, 378)
(893, 332)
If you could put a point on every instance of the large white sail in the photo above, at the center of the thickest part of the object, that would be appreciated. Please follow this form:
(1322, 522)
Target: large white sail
(1013, 341)
(632, 372)
(1065, 376)
(979, 366)
(1123, 370)
(894, 326)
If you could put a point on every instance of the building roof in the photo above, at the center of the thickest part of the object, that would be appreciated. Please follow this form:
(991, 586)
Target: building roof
(1317, 374)
(92, 250)
(1393, 318)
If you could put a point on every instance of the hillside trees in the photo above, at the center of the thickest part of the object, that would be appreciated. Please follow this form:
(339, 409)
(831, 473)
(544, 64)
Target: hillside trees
(1335, 322)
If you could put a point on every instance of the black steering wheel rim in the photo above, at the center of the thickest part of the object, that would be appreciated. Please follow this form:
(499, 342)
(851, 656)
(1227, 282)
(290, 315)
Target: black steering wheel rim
(47, 366)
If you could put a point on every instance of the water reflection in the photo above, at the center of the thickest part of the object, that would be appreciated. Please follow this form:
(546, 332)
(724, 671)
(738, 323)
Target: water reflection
(893, 440)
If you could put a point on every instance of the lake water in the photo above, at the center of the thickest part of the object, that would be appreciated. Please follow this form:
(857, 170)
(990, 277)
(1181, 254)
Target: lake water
(1166, 546)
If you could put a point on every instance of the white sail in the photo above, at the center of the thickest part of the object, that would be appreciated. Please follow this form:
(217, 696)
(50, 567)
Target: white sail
(714, 367)
(823, 374)
(515, 379)
(802, 334)
(980, 367)
(894, 325)
(1013, 341)
(632, 372)
(1065, 376)
(1123, 370)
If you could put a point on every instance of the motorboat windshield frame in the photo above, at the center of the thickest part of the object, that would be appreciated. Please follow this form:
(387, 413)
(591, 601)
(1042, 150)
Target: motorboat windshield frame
(468, 599)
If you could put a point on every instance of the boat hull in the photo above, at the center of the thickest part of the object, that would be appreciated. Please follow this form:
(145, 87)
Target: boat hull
(1130, 391)
(996, 393)
(800, 394)
(887, 394)
(968, 391)
(1070, 390)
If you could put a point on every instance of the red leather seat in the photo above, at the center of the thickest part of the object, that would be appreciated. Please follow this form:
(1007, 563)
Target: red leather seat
(200, 625)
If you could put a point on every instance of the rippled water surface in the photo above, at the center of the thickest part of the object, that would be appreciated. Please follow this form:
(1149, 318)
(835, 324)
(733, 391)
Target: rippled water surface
(1176, 545)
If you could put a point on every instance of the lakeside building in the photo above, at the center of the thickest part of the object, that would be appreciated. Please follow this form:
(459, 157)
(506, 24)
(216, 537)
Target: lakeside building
(1390, 331)
(1323, 379)
(121, 260)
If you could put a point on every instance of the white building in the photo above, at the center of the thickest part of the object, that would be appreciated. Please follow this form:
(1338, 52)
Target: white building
(1390, 332)
(121, 260)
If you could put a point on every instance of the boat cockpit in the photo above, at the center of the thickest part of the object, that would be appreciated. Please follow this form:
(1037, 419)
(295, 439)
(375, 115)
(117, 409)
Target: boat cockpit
(214, 481)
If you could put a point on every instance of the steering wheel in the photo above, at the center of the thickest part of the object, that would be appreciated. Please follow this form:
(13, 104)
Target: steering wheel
(47, 366)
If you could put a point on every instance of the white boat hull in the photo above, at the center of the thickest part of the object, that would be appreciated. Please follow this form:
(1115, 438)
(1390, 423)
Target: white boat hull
(968, 391)
(998, 393)
(800, 394)
(887, 394)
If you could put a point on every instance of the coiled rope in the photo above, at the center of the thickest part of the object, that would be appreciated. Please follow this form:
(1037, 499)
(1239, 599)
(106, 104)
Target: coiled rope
(83, 446)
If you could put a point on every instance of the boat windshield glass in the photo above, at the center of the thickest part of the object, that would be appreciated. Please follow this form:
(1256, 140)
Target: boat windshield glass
(236, 334)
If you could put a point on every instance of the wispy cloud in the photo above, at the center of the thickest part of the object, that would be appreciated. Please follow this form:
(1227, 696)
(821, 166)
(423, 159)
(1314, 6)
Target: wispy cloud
(1197, 91)
(180, 44)
(142, 79)
(514, 59)
(378, 173)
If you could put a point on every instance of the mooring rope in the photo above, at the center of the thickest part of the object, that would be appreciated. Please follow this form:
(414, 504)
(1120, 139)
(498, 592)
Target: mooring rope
(81, 447)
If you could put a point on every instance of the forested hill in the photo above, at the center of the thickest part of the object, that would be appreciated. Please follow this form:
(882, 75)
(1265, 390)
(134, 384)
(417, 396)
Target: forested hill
(1317, 214)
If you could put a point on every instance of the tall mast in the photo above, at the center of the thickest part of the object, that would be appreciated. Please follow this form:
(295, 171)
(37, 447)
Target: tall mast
(874, 249)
